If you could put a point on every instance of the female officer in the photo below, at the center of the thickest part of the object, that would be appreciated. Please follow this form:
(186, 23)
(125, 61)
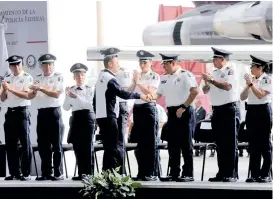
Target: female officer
(145, 119)
(259, 119)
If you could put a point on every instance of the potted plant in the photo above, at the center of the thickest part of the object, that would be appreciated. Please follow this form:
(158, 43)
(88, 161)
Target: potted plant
(109, 184)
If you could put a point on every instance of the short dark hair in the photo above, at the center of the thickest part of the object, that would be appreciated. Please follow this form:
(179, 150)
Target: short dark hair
(107, 60)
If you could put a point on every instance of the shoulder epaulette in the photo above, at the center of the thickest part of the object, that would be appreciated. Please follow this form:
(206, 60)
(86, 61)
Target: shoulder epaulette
(214, 70)
(87, 86)
(182, 71)
(7, 75)
(72, 86)
(26, 74)
(39, 75)
(57, 74)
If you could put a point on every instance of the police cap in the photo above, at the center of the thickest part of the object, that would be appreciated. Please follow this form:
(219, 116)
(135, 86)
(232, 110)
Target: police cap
(110, 52)
(47, 59)
(168, 58)
(220, 53)
(78, 67)
(257, 61)
(144, 55)
(14, 60)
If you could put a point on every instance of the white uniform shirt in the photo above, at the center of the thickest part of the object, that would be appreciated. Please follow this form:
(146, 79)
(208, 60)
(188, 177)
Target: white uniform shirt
(264, 82)
(84, 100)
(52, 82)
(20, 82)
(125, 79)
(176, 87)
(219, 96)
(149, 79)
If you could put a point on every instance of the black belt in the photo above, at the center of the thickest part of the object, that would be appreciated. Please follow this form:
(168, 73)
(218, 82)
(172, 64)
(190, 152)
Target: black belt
(226, 105)
(257, 105)
(84, 111)
(18, 108)
(145, 104)
(122, 102)
(48, 108)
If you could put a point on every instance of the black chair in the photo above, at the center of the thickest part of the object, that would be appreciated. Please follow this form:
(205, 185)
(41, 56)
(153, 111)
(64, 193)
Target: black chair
(204, 139)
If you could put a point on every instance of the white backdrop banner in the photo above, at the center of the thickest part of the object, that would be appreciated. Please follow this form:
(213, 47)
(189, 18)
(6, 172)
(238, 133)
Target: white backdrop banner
(27, 36)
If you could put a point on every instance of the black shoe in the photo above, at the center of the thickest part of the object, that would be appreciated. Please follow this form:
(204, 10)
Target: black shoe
(77, 178)
(13, 178)
(230, 179)
(252, 179)
(150, 178)
(169, 178)
(264, 179)
(43, 178)
(185, 179)
(25, 178)
(55, 178)
(216, 179)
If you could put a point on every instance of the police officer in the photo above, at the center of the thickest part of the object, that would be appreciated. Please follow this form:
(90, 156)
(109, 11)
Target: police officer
(107, 109)
(125, 79)
(17, 122)
(79, 98)
(46, 90)
(258, 91)
(180, 89)
(222, 89)
(146, 82)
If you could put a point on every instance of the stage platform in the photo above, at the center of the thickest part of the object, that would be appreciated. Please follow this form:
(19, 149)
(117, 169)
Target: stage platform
(154, 190)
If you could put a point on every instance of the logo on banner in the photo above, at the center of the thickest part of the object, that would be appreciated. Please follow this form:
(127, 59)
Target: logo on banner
(31, 62)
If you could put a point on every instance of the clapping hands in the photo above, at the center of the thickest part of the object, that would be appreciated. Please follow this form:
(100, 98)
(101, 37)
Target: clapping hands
(69, 93)
(248, 78)
(5, 86)
(36, 87)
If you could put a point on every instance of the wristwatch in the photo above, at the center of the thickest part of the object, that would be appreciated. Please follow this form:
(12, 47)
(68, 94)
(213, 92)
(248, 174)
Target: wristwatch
(211, 81)
(183, 106)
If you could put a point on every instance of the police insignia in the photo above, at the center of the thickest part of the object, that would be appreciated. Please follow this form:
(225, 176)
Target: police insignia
(267, 81)
(60, 79)
(230, 72)
(47, 56)
(112, 50)
(14, 57)
(141, 53)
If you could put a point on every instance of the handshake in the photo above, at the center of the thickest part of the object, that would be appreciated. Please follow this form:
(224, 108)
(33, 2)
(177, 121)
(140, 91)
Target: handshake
(147, 98)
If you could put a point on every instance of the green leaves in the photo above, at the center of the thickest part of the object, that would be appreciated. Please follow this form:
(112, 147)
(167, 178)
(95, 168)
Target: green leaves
(109, 184)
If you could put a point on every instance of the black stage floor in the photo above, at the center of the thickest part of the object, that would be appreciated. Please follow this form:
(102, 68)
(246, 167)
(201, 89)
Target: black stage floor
(69, 189)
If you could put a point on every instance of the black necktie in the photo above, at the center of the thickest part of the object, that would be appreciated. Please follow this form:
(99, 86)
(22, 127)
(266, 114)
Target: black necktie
(79, 88)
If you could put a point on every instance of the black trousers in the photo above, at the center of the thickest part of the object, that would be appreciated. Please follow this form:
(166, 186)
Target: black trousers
(16, 129)
(49, 139)
(224, 127)
(259, 125)
(113, 155)
(122, 127)
(146, 128)
(82, 132)
(180, 138)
